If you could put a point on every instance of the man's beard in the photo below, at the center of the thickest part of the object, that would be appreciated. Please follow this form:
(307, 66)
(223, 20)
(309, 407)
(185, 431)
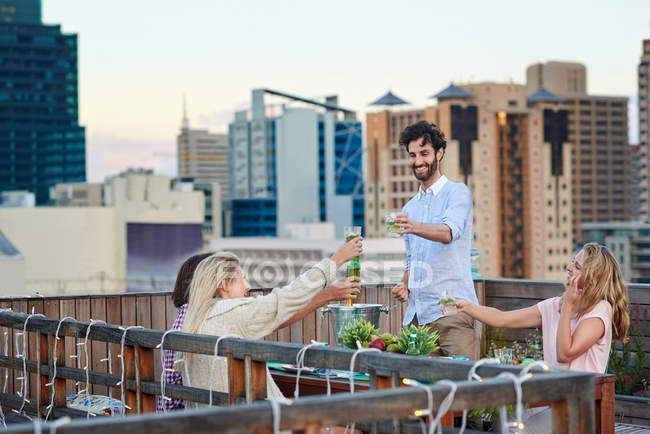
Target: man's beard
(429, 173)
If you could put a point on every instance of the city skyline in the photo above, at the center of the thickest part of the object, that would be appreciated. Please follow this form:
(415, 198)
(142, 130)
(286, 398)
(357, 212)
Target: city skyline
(132, 76)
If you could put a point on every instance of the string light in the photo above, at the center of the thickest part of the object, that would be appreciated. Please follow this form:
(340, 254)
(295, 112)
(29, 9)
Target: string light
(526, 371)
(6, 376)
(359, 350)
(54, 363)
(516, 381)
(24, 379)
(214, 359)
(86, 367)
(162, 363)
(275, 411)
(121, 382)
(415, 383)
(472, 375)
(444, 405)
(300, 364)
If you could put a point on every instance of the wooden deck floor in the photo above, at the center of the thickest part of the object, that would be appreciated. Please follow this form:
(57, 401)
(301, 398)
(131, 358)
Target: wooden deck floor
(623, 428)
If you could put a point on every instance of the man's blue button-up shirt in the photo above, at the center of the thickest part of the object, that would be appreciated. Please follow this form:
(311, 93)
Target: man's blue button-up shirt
(433, 266)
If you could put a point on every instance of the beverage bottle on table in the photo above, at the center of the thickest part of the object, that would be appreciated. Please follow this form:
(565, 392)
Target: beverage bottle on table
(412, 340)
(353, 266)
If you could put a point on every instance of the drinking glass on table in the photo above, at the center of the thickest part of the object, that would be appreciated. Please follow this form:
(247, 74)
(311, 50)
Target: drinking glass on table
(504, 355)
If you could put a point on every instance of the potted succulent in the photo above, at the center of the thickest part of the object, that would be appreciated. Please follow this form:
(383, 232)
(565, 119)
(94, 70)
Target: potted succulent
(360, 331)
(417, 341)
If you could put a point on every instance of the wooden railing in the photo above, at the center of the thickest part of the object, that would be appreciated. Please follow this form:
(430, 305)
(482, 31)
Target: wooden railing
(570, 394)
(156, 310)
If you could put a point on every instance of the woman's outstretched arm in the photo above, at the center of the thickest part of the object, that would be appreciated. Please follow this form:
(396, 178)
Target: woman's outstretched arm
(348, 287)
(514, 319)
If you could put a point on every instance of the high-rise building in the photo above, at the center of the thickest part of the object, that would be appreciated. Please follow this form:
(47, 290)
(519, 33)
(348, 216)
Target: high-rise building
(629, 243)
(513, 154)
(639, 182)
(203, 156)
(300, 166)
(41, 142)
(642, 211)
(598, 128)
(20, 11)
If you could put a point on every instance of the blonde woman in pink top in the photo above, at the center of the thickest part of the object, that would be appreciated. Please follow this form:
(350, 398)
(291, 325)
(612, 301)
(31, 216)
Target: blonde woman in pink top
(578, 326)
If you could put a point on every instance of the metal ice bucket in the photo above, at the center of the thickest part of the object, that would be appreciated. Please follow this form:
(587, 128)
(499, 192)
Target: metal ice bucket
(342, 315)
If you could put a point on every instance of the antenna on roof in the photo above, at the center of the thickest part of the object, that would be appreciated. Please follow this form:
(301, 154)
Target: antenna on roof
(186, 123)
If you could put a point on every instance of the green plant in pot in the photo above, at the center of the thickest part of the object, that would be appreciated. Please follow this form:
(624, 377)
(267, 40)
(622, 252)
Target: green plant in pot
(360, 330)
(417, 341)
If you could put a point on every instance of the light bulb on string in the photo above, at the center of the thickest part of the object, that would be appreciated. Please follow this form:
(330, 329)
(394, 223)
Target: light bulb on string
(472, 375)
(54, 364)
(300, 364)
(358, 351)
(215, 357)
(125, 330)
(24, 352)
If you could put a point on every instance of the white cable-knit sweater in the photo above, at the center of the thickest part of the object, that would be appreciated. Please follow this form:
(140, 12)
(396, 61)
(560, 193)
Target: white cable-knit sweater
(254, 318)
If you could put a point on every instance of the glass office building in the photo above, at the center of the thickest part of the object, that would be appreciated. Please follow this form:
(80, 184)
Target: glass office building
(41, 141)
(301, 166)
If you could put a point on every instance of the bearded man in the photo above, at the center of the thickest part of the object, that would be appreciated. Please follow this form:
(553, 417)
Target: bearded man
(437, 228)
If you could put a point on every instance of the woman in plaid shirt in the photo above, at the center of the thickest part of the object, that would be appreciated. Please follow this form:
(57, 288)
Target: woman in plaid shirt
(180, 296)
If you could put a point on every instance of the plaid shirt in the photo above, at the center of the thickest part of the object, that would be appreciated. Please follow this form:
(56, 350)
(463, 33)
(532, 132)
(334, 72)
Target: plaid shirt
(172, 376)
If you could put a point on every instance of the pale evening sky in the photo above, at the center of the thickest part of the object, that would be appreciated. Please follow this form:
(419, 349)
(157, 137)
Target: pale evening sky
(136, 58)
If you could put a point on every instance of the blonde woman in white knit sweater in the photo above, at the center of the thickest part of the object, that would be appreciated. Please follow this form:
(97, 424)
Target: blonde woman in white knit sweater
(219, 305)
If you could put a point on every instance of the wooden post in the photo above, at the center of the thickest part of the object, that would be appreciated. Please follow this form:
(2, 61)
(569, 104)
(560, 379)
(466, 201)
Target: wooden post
(144, 371)
(567, 415)
(131, 403)
(586, 415)
(384, 382)
(560, 411)
(236, 379)
(605, 404)
(574, 415)
(447, 419)
(59, 383)
(254, 380)
(42, 394)
(258, 380)
(310, 428)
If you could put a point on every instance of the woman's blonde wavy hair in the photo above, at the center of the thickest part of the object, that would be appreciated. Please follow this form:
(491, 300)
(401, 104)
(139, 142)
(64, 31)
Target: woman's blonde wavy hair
(211, 276)
(603, 281)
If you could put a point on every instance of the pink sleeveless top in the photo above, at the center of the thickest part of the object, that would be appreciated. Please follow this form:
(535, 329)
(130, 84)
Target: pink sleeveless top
(592, 360)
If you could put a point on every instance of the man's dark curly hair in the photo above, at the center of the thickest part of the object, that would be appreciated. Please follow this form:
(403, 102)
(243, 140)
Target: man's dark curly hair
(429, 131)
